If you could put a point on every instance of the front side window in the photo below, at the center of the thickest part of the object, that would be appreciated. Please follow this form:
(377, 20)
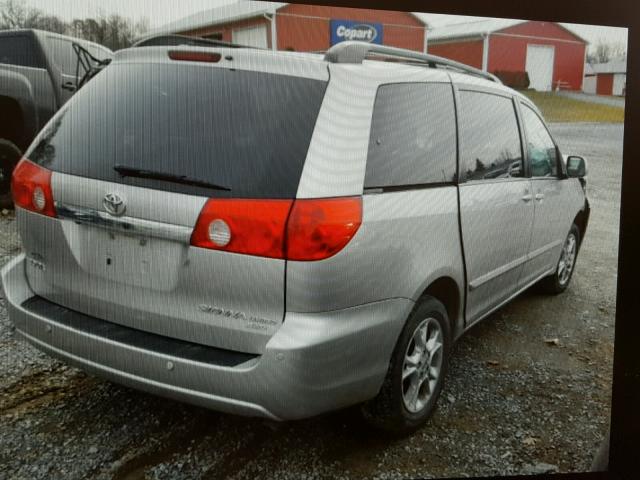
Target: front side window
(489, 137)
(543, 156)
(413, 136)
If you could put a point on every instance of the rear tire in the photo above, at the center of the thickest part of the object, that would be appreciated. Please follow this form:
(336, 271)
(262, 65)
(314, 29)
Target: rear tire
(9, 157)
(420, 356)
(561, 277)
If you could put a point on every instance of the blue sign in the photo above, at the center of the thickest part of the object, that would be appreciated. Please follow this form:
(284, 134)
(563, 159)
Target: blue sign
(342, 30)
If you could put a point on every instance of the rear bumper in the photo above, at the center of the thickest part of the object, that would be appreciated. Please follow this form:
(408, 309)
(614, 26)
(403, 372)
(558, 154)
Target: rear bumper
(314, 363)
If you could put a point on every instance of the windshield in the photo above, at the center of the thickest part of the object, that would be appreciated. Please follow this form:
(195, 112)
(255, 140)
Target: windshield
(248, 131)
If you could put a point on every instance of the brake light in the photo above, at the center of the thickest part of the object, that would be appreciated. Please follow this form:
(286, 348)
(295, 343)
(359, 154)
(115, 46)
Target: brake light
(31, 188)
(307, 229)
(195, 56)
(320, 228)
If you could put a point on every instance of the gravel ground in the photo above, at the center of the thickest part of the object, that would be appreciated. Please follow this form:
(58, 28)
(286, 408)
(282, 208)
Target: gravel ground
(513, 403)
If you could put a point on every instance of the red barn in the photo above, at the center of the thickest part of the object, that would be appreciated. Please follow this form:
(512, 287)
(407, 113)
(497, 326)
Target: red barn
(552, 55)
(289, 26)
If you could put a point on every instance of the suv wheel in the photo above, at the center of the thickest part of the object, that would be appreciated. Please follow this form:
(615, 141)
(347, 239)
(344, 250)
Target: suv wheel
(416, 371)
(9, 157)
(559, 280)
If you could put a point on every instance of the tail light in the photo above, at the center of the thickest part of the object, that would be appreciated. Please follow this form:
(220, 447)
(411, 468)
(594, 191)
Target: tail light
(312, 229)
(253, 227)
(31, 188)
(320, 228)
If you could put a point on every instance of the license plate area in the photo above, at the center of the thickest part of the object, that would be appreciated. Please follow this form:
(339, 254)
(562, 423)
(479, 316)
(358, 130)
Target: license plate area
(136, 260)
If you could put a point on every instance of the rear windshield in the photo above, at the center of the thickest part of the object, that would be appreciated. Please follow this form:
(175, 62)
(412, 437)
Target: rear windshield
(248, 132)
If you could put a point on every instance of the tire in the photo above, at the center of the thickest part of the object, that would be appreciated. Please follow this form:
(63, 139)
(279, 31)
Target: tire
(9, 157)
(392, 409)
(559, 281)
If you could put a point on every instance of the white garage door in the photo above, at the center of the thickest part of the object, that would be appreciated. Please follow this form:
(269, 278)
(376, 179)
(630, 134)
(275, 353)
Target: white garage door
(619, 83)
(540, 67)
(252, 36)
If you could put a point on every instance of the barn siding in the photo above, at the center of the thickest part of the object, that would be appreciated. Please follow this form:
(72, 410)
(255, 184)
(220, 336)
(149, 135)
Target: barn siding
(400, 29)
(468, 52)
(510, 53)
(542, 29)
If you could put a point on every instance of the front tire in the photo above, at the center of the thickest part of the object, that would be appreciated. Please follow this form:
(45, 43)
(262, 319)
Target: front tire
(561, 277)
(9, 157)
(416, 372)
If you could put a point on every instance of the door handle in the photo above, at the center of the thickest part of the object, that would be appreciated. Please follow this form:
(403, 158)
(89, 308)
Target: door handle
(527, 198)
(71, 86)
(539, 196)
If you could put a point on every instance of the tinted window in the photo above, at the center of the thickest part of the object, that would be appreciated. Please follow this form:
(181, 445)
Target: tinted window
(413, 136)
(63, 55)
(489, 137)
(247, 131)
(543, 156)
(19, 50)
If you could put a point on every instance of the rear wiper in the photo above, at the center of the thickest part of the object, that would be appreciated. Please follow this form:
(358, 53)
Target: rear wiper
(125, 171)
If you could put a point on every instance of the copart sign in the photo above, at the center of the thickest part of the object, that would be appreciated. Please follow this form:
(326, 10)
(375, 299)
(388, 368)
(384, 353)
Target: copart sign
(342, 30)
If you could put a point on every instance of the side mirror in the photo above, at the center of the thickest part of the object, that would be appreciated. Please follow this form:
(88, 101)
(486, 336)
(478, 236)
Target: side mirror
(576, 166)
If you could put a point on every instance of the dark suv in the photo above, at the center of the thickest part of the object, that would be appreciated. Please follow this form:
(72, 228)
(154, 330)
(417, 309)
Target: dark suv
(38, 74)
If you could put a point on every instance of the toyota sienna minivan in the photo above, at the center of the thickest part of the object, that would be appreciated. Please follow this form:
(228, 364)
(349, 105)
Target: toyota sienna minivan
(280, 234)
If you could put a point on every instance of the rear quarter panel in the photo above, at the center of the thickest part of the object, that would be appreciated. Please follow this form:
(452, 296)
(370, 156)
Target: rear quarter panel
(406, 241)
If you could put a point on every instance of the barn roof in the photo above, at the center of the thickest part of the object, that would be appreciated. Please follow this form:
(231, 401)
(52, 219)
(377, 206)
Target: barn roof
(233, 12)
(476, 28)
(613, 66)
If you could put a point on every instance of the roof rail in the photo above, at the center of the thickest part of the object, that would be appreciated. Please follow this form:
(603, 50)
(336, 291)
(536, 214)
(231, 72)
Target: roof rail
(357, 52)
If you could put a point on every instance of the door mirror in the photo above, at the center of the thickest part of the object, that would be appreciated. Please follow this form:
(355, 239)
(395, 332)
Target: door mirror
(576, 167)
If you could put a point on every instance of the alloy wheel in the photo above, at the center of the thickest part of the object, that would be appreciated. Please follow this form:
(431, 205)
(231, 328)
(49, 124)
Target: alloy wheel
(567, 259)
(422, 365)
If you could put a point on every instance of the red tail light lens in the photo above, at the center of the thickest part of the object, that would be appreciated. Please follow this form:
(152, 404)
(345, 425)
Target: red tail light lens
(320, 228)
(31, 188)
(252, 227)
(312, 229)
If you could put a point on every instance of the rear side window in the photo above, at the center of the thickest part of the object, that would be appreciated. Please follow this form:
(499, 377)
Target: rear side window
(246, 131)
(19, 50)
(413, 136)
(489, 137)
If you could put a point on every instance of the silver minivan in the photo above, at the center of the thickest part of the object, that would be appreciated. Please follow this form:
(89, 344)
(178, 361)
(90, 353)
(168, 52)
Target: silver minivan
(281, 234)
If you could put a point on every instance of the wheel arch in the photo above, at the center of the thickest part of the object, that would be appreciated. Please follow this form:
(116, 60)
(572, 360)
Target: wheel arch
(12, 125)
(581, 220)
(447, 291)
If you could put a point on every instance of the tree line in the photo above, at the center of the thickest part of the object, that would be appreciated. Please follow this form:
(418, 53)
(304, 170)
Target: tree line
(113, 31)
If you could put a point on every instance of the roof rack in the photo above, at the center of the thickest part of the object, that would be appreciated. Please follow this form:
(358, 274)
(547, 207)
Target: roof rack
(357, 52)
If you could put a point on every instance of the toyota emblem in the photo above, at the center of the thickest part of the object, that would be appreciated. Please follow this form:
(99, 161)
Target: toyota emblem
(114, 204)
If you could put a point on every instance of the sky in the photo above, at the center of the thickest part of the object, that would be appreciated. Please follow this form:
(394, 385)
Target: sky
(160, 12)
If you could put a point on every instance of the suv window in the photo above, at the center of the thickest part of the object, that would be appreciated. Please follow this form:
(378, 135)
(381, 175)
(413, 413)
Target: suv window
(542, 153)
(413, 136)
(489, 137)
(19, 50)
(247, 131)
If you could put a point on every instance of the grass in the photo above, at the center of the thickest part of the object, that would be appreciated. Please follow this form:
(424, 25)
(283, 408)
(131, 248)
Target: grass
(561, 109)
